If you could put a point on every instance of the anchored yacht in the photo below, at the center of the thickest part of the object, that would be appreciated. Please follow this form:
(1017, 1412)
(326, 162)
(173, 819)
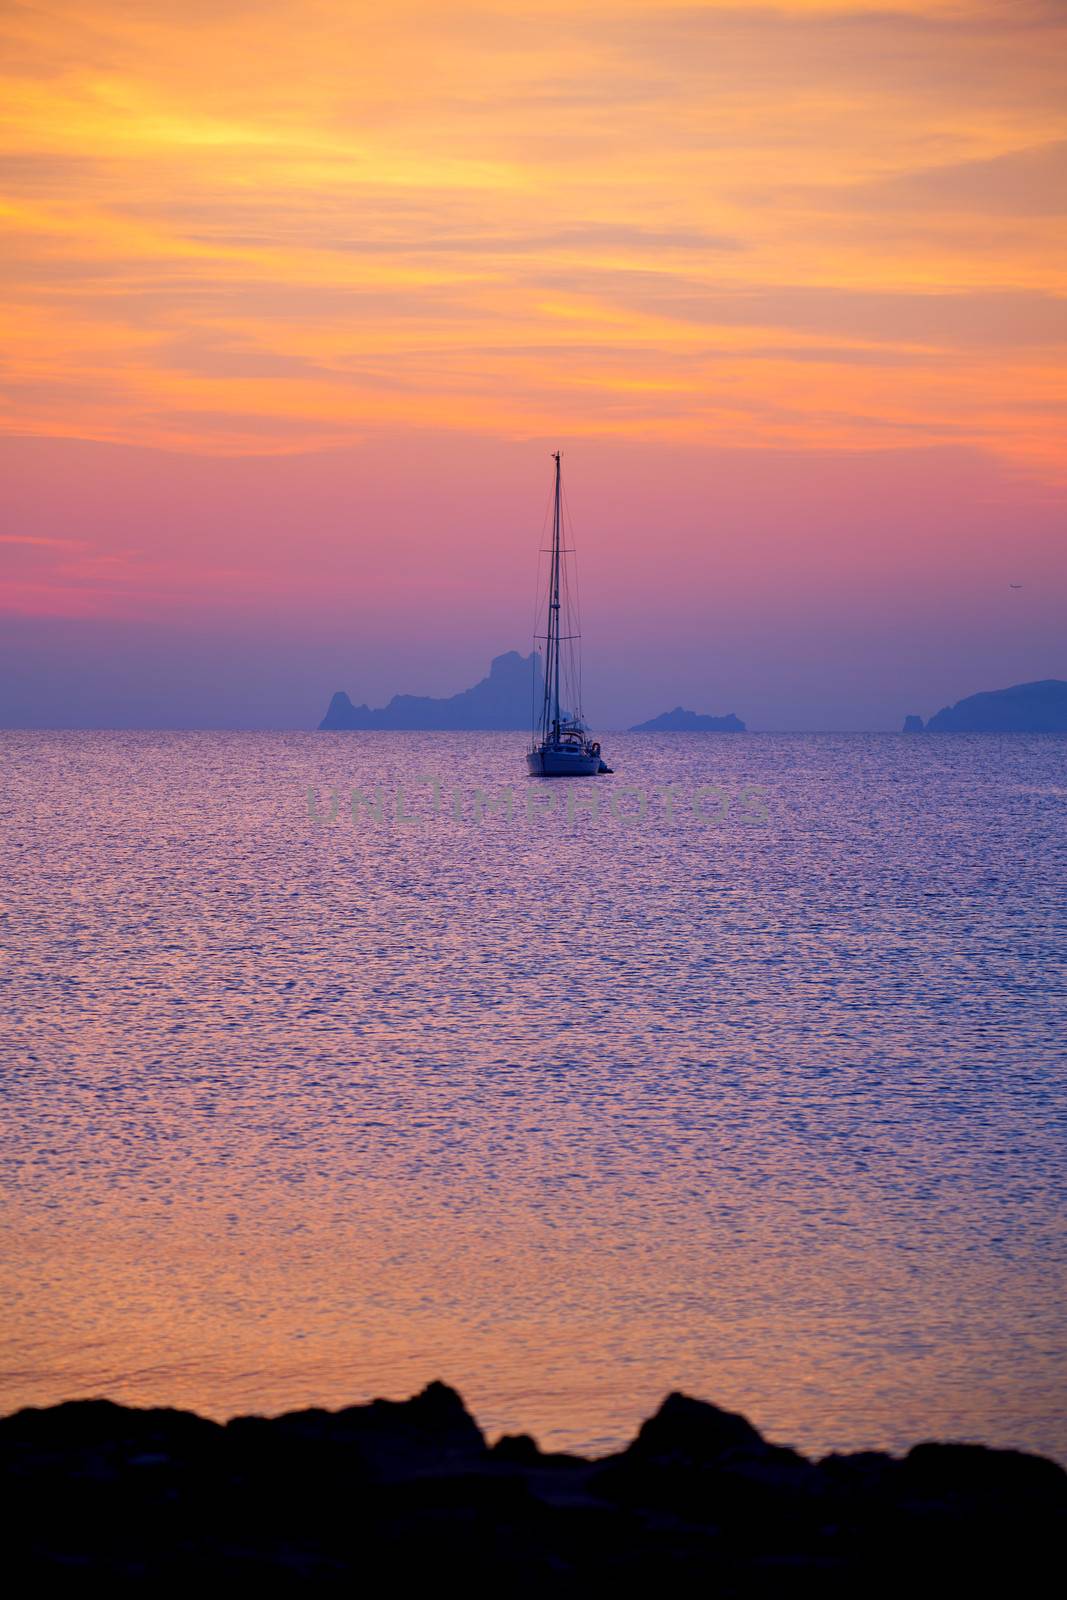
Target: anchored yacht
(561, 745)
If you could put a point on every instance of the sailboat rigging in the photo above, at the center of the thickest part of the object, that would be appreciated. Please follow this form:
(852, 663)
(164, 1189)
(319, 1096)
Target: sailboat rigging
(561, 745)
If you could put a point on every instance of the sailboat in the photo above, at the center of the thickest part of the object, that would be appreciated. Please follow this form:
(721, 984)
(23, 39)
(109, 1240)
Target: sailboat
(561, 746)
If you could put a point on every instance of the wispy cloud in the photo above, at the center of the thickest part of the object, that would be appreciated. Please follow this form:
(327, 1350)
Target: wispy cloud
(41, 543)
(235, 227)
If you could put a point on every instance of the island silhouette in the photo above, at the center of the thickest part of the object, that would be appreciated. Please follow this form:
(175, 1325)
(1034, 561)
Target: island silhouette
(1024, 708)
(681, 721)
(503, 700)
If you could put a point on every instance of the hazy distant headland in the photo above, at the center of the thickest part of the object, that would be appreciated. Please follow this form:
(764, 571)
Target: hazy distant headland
(681, 721)
(1024, 708)
(503, 700)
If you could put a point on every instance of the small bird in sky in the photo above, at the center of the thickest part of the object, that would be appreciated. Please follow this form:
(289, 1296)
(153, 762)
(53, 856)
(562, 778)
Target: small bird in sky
(1014, 585)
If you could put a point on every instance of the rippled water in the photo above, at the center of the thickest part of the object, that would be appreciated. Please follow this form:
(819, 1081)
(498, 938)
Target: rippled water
(566, 1112)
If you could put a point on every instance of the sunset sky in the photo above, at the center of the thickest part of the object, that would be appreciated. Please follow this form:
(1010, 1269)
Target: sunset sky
(297, 296)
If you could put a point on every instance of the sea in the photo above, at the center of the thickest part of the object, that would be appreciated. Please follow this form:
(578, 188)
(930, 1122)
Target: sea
(336, 1063)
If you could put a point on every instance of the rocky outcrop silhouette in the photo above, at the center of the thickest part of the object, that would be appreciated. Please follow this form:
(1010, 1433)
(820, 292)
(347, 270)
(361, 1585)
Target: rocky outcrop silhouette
(503, 700)
(681, 721)
(406, 1497)
(913, 724)
(1024, 708)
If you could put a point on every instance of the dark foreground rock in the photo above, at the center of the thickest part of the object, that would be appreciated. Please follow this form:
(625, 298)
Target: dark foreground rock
(407, 1497)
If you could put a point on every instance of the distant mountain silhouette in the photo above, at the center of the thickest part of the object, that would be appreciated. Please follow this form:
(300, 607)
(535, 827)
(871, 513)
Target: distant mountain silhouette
(502, 700)
(682, 721)
(1024, 708)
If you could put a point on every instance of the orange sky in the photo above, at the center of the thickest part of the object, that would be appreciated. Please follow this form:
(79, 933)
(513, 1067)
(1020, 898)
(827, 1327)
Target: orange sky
(238, 226)
(237, 229)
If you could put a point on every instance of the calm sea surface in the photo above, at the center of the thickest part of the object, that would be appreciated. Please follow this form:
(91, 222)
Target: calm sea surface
(766, 1104)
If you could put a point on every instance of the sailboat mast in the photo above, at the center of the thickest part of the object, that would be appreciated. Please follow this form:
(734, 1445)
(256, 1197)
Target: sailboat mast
(553, 659)
(565, 748)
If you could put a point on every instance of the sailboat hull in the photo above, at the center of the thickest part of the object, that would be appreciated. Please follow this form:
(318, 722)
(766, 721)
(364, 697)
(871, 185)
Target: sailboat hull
(562, 763)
